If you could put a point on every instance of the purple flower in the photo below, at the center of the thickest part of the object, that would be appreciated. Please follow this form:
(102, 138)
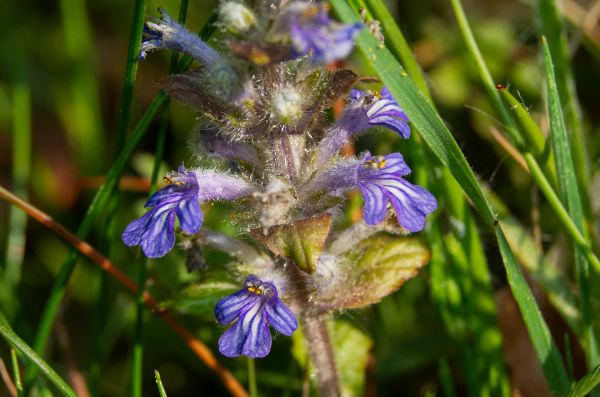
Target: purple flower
(380, 180)
(253, 308)
(365, 110)
(314, 34)
(155, 230)
(166, 33)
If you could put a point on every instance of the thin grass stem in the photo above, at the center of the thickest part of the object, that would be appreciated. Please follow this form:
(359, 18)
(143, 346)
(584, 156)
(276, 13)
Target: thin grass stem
(161, 389)
(21, 172)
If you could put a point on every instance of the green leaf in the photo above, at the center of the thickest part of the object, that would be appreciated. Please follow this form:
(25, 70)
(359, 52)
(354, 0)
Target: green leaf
(373, 269)
(539, 333)
(200, 299)
(351, 348)
(301, 241)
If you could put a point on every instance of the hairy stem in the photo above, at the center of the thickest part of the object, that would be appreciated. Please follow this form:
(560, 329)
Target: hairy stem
(320, 351)
(316, 335)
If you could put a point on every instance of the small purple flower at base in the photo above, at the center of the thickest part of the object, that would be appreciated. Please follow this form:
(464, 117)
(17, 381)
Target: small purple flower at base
(367, 110)
(253, 308)
(380, 179)
(314, 34)
(155, 231)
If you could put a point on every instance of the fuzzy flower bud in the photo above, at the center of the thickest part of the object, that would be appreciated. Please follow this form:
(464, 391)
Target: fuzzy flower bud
(236, 17)
(287, 105)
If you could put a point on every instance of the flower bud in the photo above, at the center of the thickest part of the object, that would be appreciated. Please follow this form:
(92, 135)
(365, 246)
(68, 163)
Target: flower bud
(236, 17)
(287, 105)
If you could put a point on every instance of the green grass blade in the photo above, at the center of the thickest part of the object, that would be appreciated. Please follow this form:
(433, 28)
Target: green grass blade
(551, 26)
(586, 384)
(486, 77)
(18, 343)
(397, 44)
(533, 137)
(443, 145)
(546, 274)
(569, 189)
(133, 52)
(161, 388)
(16, 372)
(21, 173)
(545, 348)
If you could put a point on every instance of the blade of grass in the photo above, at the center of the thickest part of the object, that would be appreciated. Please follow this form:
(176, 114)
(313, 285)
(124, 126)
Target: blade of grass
(586, 384)
(18, 343)
(486, 77)
(570, 195)
(545, 348)
(443, 145)
(161, 388)
(551, 26)
(16, 372)
(21, 171)
(546, 275)
(397, 44)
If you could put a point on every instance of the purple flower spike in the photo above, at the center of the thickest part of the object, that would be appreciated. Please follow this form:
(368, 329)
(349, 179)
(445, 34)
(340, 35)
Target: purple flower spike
(380, 179)
(253, 308)
(314, 34)
(155, 231)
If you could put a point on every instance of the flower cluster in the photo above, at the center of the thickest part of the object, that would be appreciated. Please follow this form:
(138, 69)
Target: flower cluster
(264, 92)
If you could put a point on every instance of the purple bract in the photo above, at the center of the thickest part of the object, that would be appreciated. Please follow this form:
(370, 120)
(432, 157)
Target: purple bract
(253, 308)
